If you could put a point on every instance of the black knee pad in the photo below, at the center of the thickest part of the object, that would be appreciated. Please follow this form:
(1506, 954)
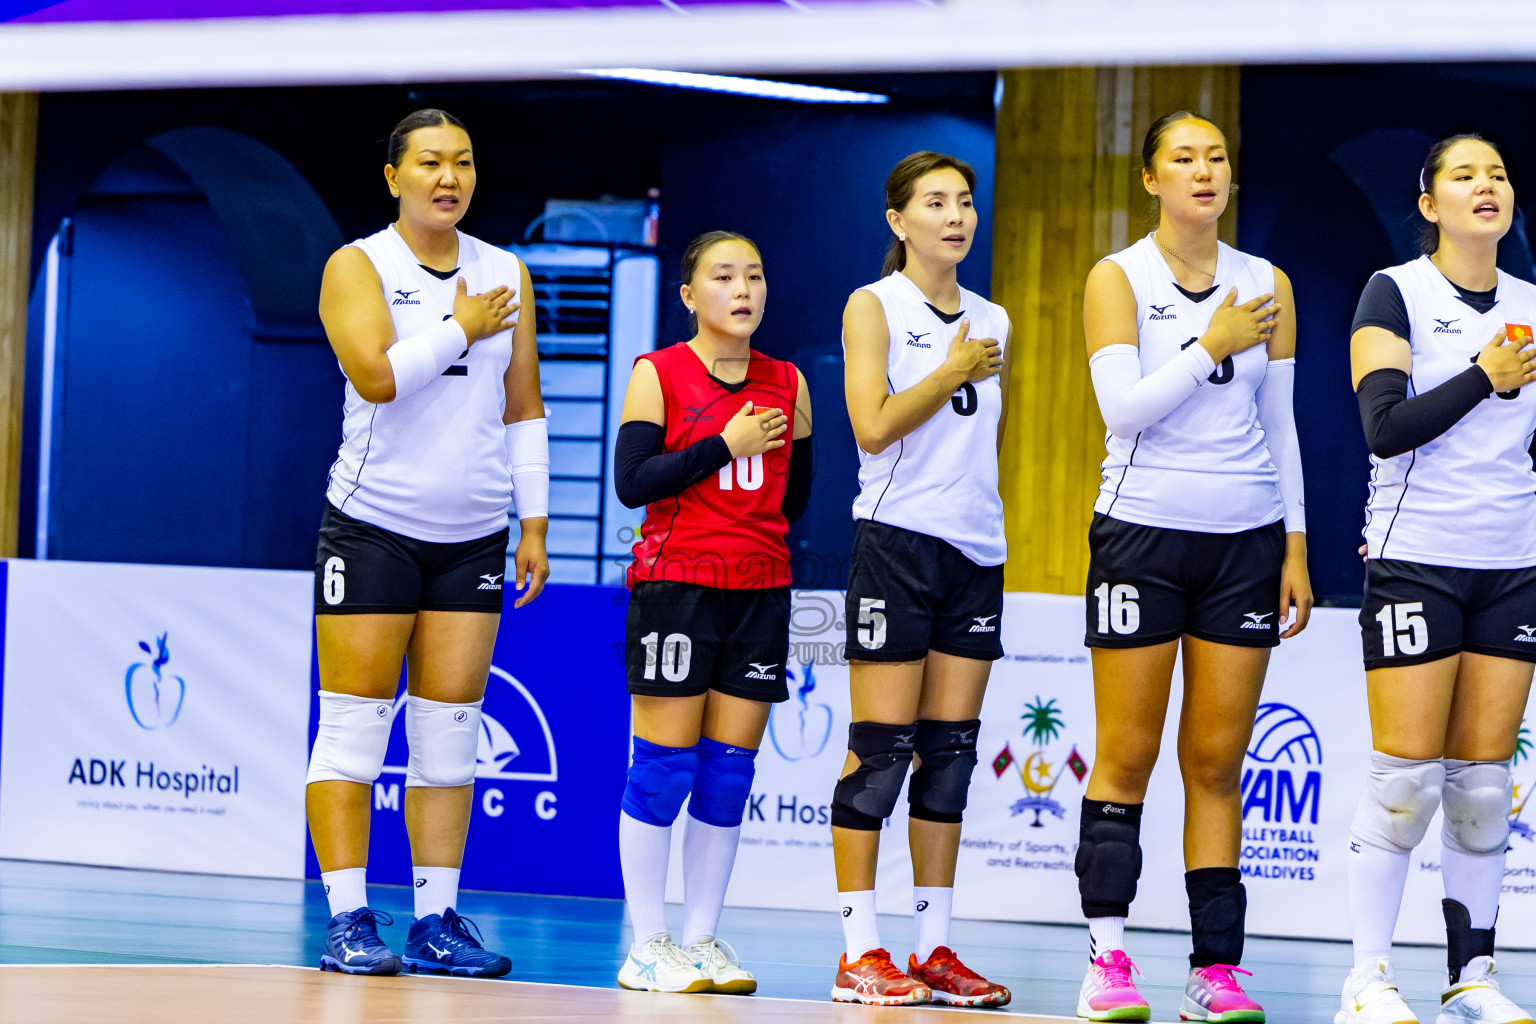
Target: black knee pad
(1108, 857)
(940, 783)
(1218, 908)
(866, 796)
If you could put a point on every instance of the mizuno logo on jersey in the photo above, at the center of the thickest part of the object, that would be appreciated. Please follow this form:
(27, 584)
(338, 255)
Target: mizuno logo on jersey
(984, 624)
(404, 298)
(1161, 313)
(1528, 635)
(492, 581)
(1256, 620)
(915, 340)
(1445, 326)
(760, 671)
(696, 414)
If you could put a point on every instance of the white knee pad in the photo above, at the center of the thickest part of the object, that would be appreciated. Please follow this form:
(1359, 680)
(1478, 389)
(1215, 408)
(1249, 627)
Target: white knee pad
(1399, 800)
(1477, 799)
(351, 738)
(444, 740)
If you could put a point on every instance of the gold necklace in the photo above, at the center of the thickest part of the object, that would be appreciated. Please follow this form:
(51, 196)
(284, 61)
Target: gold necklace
(1208, 273)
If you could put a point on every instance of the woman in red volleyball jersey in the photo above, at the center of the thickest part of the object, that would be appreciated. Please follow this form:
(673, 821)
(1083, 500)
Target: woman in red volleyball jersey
(705, 445)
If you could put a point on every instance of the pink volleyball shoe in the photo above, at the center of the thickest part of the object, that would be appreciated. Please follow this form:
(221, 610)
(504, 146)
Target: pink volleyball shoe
(1213, 994)
(1108, 992)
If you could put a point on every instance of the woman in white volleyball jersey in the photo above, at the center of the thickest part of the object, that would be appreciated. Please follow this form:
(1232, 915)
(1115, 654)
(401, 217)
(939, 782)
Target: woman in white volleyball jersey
(925, 583)
(443, 420)
(1197, 541)
(1448, 620)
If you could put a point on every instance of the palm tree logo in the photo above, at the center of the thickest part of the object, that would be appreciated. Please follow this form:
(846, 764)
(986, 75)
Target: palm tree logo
(1042, 724)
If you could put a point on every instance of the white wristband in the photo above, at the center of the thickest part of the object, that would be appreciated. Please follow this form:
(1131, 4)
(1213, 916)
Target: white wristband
(420, 359)
(528, 460)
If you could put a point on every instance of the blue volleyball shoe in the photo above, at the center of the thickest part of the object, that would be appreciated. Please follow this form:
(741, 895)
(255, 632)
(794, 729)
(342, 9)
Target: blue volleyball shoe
(449, 944)
(353, 946)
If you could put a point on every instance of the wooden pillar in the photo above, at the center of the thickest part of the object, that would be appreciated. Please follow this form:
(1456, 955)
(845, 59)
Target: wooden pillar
(1068, 193)
(18, 147)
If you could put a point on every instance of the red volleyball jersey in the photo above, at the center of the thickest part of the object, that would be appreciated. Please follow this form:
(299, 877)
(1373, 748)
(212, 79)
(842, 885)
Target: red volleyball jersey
(728, 529)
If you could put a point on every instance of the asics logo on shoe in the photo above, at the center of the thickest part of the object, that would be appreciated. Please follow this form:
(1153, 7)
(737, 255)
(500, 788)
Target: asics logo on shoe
(1528, 635)
(1256, 620)
(492, 581)
(647, 971)
(922, 905)
(762, 671)
(1161, 312)
(406, 300)
(982, 624)
(349, 954)
(420, 882)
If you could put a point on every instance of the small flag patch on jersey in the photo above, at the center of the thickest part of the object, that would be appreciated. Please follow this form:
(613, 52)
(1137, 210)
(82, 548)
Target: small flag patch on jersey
(1001, 762)
(1077, 764)
(1519, 334)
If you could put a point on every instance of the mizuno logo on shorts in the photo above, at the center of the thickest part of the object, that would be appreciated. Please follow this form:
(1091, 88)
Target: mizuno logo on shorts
(1528, 635)
(984, 624)
(1256, 620)
(760, 671)
(492, 581)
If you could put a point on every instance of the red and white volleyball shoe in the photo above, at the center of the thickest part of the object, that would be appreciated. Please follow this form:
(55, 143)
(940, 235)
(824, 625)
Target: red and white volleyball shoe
(950, 981)
(872, 979)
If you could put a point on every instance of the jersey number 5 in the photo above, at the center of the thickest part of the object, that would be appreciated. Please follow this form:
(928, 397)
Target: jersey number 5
(964, 400)
(745, 471)
(1411, 635)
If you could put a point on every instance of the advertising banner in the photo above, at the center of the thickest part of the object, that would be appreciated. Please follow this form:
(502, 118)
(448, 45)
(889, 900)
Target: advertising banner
(1301, 777)
(554, 745)
(155, 717)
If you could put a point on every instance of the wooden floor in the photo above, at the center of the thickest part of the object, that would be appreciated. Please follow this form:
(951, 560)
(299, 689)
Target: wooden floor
(290, 995)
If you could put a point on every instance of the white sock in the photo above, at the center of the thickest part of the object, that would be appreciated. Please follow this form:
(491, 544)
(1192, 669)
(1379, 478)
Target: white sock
(437, 889)
(930, 914)
(1376, 880)
(1474, 881)
(345, 889)
(709, 853)
(1105, 934)
(643, 853)
(861, 932)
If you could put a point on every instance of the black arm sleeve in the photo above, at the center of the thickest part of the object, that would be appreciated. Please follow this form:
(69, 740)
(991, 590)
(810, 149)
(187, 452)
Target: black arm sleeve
(797, 490)
(644, 471)
(1381, 305)
(1395, 423)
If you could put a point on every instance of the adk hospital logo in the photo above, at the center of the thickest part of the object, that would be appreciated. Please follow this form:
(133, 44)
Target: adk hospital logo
(154, 698)
(1040, 777)
(1281, 792)
(509, 710)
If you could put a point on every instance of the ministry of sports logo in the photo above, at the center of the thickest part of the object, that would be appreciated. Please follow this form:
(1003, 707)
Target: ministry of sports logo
(154, 698)
(1445, 325)
(762, 671)
(983, 624)
(403, 298)
(1042, 724)
(1256, 620)
(492, 581)
(1161, 312)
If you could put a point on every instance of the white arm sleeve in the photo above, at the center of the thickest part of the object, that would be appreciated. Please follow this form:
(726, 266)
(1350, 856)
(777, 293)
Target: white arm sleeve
(1277, 416)
(420, 359)
(1130, 402)
(528, 459)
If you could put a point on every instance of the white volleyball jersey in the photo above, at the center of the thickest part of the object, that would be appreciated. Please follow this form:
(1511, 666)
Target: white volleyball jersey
(431, 465)
(1468, 498)
(1205, 466)
(941, 479)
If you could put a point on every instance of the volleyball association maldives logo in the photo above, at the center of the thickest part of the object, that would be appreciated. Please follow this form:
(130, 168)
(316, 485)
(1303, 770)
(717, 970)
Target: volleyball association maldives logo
(154, 698)
(1042, 725)
(800, 730)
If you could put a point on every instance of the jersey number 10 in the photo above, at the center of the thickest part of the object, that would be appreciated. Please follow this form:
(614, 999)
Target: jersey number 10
(743, 471)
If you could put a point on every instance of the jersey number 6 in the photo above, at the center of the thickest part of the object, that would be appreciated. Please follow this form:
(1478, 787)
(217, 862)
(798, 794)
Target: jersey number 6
(1223, 374)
